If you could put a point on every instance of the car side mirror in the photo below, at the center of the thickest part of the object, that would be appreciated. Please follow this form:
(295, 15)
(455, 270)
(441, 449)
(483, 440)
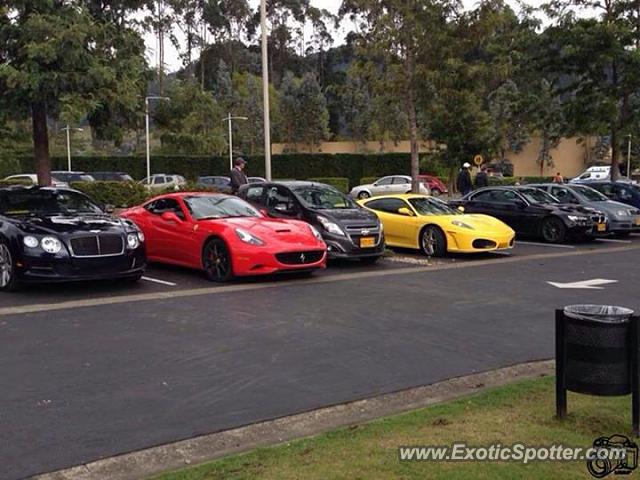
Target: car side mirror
(405, 211)
(108, 208)
(170, 217)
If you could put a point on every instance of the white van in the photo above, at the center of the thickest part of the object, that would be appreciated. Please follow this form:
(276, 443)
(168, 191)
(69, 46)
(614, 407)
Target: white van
(593, 173)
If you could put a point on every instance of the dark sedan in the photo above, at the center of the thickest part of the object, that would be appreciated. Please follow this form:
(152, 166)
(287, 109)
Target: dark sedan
(57, 234)
(349, 230)
(532, 212)
(622, 192)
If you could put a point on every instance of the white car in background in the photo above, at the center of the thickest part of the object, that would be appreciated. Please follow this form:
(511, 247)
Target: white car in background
(32, 178)
(598, 173)
(386, 186)
(162, 181)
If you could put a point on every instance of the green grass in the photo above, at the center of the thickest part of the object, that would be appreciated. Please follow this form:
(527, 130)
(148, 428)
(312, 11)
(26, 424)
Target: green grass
(523, 412)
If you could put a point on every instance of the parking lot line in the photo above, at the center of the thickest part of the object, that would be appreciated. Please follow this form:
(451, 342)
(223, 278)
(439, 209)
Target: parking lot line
(161, 282)
(612, 240)
(551, 245)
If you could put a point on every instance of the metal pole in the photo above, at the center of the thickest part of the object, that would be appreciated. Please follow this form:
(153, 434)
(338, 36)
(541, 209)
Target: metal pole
(146, 121)
(629, 158)
(230, 144)
(265, 91)
(68, 149)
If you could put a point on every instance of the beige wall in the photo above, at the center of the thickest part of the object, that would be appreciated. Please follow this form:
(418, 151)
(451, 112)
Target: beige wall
(569, 157)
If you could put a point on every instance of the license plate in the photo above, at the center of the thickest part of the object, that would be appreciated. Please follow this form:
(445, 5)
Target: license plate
(602, 227)
(638, 221)
(367, 242)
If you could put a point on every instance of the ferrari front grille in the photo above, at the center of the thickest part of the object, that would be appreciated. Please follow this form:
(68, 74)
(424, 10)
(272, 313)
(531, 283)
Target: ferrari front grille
(299, 258)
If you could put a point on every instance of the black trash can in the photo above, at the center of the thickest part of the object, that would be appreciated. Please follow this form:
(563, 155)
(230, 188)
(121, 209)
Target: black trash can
(596, 353)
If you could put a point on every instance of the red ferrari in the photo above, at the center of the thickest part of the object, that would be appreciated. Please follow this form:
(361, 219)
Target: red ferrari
(225, 236)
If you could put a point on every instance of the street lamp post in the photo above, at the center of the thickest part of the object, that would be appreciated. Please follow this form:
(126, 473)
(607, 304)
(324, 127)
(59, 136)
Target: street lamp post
(629, 157)
(229, 118)
(146, 122)
(265, 91)
(68, 129)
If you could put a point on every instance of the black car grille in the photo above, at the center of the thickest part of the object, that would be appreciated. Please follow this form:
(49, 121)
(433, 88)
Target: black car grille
(356, 232)
(299, 258)
(97, 245)
(598, 218)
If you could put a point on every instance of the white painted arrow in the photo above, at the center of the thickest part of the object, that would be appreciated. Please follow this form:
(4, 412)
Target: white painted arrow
(592, 284)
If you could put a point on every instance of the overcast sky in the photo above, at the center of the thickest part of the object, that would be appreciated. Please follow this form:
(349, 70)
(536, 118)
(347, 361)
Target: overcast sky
(173, 62)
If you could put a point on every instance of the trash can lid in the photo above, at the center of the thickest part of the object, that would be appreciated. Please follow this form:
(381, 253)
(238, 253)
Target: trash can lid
(599, 313)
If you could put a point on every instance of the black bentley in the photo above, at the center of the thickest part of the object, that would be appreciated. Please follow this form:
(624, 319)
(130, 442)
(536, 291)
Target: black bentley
(530, 211)
(57, 234)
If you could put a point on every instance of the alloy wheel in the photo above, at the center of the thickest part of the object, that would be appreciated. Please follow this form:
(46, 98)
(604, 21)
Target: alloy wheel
(429, 242)
(6, 266)
(217, 262)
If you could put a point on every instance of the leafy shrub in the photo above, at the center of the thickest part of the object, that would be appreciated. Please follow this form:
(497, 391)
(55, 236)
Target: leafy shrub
(367, 180)
(8, 183)
(341, 183)
(118, 194)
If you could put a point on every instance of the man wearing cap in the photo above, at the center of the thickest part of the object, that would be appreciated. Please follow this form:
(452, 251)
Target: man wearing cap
(238, 178)
(463, 182)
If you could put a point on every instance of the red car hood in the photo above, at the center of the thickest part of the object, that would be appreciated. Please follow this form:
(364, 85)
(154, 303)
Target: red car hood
(271, 230)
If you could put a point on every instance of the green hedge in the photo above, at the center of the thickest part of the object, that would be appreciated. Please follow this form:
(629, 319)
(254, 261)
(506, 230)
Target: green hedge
(298, 166)
(8, 183)
(127, 194)
(341, 183)
(367, 180)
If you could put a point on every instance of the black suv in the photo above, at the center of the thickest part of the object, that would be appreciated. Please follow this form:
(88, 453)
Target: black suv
(349, 230)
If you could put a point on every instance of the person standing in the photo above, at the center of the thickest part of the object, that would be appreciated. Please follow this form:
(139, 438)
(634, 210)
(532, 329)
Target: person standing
(237, 175)
(463, 182)
(482, 178)
(558, 178)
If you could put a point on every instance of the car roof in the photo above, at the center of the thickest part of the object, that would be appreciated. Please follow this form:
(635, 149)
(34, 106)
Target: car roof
(189, 194)
(401, 196)
(113, 173)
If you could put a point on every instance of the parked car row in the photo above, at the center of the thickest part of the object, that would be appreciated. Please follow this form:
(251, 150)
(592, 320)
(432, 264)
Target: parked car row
(54, 234)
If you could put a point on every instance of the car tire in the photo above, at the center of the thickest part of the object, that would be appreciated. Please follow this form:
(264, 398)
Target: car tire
(8, 279)
(436, 192)
(433, 242)
(363, 195)
(553, 230)
(216, 261)
(369, 260)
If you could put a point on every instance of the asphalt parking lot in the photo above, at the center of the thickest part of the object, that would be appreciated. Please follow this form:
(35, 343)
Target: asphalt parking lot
(94, 370)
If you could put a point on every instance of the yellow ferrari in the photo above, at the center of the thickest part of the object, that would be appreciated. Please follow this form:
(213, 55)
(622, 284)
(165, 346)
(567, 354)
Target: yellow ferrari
(432, 226)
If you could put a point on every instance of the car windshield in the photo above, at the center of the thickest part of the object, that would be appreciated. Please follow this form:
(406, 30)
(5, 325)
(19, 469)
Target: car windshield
(591, 194)
(535, 195)
(45, 202)
(318, 197)
(205, 207)
(431, 206)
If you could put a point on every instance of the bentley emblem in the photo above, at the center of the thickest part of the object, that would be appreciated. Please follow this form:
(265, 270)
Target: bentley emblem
(364, 231)
(302, 258)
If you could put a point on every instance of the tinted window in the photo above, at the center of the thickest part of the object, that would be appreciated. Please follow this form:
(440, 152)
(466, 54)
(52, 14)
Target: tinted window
(385, 181)
(397, 180)
(431, 206)
(591, 194)
(221, 182)
(158, 180)
(323, 197)
(535, 195)
(563, 194)
(623, 193)
(388, 205)
(254, 194)
(46, 202)
(162, 205)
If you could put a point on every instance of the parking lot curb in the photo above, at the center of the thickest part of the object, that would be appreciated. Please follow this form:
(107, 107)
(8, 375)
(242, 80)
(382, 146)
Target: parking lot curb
(144, 463)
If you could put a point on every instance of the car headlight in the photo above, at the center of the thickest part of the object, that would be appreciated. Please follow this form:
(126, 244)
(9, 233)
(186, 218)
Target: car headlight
(246, 237)
(141, 236)
(330, 226)
(132, 241)
(622, 213)
(315, 232)
(577, 218)
(51, 244)
(460, 224)
(30, 241)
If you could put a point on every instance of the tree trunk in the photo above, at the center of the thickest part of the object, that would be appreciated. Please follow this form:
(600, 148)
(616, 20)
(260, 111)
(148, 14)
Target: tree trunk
(413, 125)
(615, 154)
(41, 143)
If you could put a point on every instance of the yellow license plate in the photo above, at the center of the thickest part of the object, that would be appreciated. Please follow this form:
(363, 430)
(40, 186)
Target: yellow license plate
(367, 242)
(638, 221)
(602, 227)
